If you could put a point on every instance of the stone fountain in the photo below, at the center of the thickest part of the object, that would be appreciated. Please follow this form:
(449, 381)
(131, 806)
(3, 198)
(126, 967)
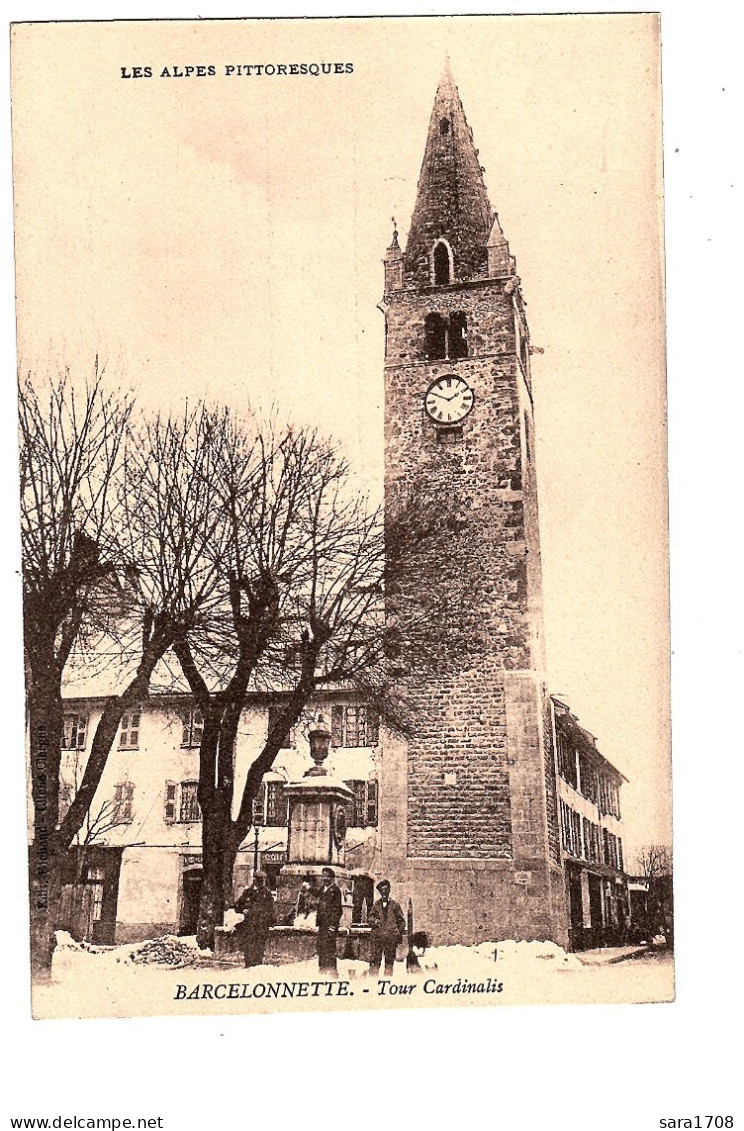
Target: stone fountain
(318, 805)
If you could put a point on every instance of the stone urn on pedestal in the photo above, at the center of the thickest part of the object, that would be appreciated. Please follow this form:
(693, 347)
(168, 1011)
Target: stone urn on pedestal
(316, 836)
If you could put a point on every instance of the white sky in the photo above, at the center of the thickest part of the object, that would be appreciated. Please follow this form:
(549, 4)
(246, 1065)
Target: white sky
(223, 237)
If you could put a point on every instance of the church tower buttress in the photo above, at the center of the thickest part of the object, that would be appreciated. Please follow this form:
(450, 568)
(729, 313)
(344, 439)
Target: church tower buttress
(468, 801)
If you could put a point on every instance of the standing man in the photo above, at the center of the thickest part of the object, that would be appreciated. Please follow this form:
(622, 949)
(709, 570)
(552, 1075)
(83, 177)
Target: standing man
(388, 927)
(329, 917)
(259, 915)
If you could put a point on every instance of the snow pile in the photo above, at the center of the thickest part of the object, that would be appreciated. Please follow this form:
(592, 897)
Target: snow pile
(492, 958)
(166, 951)
(139, 979)
(65, 941)
(310, 920)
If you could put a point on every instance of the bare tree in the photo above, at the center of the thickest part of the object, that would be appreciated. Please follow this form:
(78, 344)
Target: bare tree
(654, 860)
(654, 863)
(301, 582)
(71, 441)
(170, 532)
(121, 533)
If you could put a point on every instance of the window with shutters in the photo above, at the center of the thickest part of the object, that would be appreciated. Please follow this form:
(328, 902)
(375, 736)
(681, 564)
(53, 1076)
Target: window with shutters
(74, 729)
(289, 741)
(613, 853)
(571, 831)
(371, 803)
(589, 778)
(592, 842)
(181, 802)
(258, 806)
(363, 808)
(170, 801)
(566, 760)
(608, 796)
(188, 809)
(193, 727)
(276, 803)
(123, 801)
(354, 725)
(129, 730)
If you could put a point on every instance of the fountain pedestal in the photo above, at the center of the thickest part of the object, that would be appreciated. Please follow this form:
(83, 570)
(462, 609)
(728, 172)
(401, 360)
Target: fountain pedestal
(318, 805)
(316, 836)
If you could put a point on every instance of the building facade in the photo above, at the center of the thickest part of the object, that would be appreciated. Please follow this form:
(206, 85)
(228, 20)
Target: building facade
(136, 871)
(591, 836)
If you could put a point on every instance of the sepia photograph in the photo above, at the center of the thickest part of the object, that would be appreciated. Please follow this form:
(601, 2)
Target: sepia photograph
(344, 513)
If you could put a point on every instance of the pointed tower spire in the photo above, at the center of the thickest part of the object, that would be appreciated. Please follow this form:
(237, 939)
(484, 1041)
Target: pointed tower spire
(393, 263)
(452, 219)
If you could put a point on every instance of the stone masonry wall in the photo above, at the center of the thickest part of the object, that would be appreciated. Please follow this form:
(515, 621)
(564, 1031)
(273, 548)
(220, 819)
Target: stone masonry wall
(459, 800)
(473, 851)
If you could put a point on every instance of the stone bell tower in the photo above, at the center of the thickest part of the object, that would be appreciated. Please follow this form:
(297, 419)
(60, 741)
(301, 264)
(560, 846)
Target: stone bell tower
(469, 823)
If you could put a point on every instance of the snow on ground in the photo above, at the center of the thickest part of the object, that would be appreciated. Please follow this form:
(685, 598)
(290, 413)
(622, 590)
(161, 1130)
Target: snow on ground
(157, 977)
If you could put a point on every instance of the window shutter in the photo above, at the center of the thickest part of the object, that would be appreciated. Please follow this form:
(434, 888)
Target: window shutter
(276, 804)
(352, 726)
(170, 802)
(198, 727)
(373, 727)
(337, 725)
(189, 809)
(258, 806)
(358, 805)
(134, 725)
(372, 794)
(123, 797)
(186, 732)
(129, 735)
(73, 732)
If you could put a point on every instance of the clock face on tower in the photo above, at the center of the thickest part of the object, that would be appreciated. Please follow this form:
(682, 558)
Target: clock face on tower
(449, 399)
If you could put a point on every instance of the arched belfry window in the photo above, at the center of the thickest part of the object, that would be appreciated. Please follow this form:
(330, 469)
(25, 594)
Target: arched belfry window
(446, 337)
(458, 334)
(435, 335)
(442, 264)
(444, 126)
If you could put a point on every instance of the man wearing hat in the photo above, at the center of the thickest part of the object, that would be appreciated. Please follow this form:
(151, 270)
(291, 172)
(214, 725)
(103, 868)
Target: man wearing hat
(330, 907)
(388, 927)
(259, 915)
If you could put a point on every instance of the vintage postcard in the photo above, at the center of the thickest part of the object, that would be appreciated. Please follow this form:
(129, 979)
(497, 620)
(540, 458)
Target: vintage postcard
(342, 404)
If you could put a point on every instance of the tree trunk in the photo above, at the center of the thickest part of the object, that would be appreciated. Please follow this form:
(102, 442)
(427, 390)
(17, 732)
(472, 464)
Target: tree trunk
(45, 855)
(212, 899)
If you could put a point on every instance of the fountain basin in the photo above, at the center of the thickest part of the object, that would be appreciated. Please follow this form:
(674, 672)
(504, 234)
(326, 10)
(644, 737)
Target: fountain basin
(286, 945)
